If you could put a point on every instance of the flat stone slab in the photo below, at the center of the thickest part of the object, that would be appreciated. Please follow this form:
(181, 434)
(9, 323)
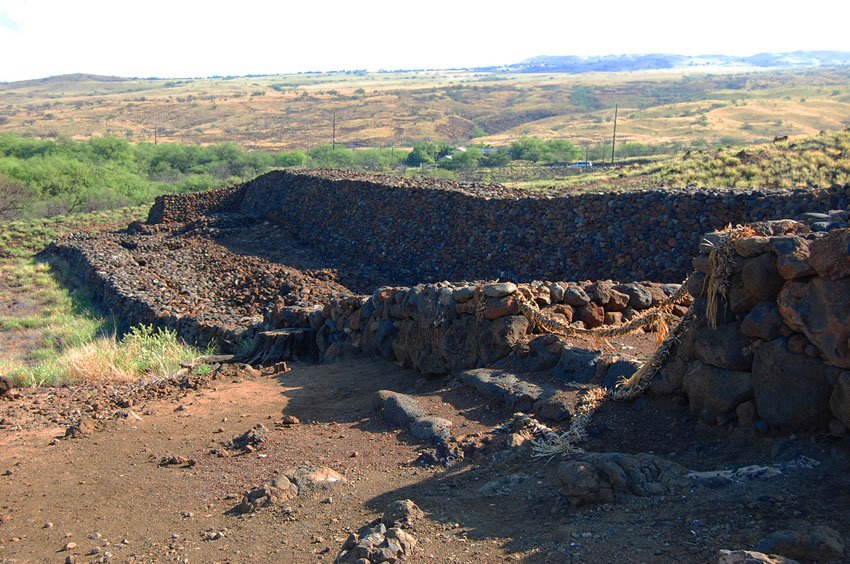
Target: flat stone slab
(503, 386)
(402, 410)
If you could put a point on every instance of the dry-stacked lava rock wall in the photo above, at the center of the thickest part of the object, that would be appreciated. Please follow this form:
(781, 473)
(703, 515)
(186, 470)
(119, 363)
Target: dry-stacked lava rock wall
(779, 356)
(426, 231)
(442, 328)
(183, 208)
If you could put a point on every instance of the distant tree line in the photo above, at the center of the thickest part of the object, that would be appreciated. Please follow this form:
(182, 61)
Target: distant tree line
(49, 177)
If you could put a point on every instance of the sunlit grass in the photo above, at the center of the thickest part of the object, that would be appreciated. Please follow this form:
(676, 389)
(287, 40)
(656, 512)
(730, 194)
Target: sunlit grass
(72, 343)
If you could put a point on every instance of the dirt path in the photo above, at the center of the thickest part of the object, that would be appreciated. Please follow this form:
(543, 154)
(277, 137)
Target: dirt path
(107, 492)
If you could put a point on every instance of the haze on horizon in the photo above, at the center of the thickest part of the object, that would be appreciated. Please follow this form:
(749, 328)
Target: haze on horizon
(190, 38)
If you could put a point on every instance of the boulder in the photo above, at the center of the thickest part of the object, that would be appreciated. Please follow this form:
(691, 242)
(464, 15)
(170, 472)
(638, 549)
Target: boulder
(763, 322)
(504, 387)
(556, 293)
(839, 401)
(819, 543)
(669, 378)
(619, 370)
(271, 494)
(820, 309)
(613, 318)
(751, 246)
(792, 391)
(499, 290)
(592, 315)
(384, 337)
(761, 278)
(714, 391)
(639, 297)
(556, 406)
(398, 409)
(313, 478)
(459, 343)
(577, 365)
(740, 299)
(747, 413)
(751, 557)
(576, 297)
(724, 347)
(697, 283)
(602, 477)
(829, 256)
(498, 337)
(435, 429)
(583, 484)
(792, 256)
(617, 301)
(599, 292)
(401, 513)
(544, 352)
(495, 308)
(463, 294)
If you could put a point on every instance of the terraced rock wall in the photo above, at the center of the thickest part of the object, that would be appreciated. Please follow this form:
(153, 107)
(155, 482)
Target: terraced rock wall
(426, 231)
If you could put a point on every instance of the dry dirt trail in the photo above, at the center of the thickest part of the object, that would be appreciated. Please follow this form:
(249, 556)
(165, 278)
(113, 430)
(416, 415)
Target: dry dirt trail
(107, 492)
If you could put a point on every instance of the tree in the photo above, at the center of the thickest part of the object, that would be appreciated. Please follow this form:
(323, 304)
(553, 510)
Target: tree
(527, 149)
(14, 197)
(463, 160)
(328, 156)
(428, 152)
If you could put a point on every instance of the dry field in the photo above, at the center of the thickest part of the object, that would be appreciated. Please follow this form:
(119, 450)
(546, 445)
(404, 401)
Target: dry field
(396, 109)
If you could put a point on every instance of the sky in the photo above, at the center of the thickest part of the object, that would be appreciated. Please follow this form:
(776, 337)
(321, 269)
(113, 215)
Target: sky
(187, 38)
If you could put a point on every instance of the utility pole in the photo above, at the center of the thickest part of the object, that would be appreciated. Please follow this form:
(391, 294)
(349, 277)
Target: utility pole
(333, 139)
(614, 140)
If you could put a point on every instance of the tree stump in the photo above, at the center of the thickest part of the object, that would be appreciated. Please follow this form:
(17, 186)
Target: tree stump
(283, 344)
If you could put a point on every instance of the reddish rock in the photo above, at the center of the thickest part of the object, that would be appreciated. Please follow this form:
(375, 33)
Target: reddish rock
(617, 301)
(820, 309)
(566, 310)
(613, 318)
(830, 255)
(591, 315)
(495, 308)
(792, 255)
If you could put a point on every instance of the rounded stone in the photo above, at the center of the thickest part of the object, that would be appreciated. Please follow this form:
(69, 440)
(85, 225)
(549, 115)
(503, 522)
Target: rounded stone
(499, 290)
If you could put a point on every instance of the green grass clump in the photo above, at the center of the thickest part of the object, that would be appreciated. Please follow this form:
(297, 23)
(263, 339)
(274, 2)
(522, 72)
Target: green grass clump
(64, 339)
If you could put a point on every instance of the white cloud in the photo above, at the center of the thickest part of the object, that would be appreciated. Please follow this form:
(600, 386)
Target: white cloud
(190, 38)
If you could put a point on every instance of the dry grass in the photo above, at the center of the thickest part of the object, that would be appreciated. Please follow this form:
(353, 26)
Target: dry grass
(384, 109)
(51, 335)
(820, 161)
(144, 352)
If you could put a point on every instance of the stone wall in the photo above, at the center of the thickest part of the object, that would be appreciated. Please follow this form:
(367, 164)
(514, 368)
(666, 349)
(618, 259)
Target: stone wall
(426, 231)
(442, 328)
(182, 208)
(779, 357)
(111, 279)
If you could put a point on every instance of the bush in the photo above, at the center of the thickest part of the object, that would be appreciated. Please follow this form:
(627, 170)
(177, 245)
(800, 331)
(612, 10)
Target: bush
(537, 150)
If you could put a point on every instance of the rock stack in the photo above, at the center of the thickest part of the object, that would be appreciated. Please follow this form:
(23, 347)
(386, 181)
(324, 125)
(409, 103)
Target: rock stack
(778, 353)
